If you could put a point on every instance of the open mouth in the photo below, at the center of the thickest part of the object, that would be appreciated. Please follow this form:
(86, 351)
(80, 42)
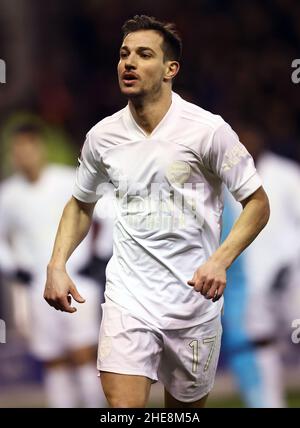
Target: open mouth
(129, 78)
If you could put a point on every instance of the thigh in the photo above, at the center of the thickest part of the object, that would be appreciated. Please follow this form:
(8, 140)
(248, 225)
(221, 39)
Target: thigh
(189, 362)
(127, 345)
(122, 391)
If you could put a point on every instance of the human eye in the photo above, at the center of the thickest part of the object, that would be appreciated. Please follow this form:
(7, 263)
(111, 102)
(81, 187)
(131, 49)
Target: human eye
(123, 54)
(146, 55)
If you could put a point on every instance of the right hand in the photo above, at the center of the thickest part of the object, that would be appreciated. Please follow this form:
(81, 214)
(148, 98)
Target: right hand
(59, 289)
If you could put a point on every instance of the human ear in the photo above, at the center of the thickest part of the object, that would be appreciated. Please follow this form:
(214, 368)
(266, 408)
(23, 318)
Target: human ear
(172, 68)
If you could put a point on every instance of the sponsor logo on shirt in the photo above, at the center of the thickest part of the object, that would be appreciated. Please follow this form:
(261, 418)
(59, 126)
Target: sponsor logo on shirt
(233, 157)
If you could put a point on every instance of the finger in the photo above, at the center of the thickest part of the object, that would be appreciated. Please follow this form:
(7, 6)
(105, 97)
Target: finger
(64, 305)
(211, 293)
(51, 302)
(219, 293)
(193, 280)
(76, 296)
(207, 284)
(199, 283)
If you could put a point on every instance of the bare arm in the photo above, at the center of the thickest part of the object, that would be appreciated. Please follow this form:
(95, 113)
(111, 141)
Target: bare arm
(73, 227)
(210, 278)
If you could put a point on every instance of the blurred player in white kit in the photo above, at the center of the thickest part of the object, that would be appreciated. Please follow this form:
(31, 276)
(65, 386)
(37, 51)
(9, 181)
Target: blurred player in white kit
(31, 203)
(271, 267)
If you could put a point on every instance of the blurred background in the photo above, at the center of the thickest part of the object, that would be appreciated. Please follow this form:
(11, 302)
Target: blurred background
(61, 62)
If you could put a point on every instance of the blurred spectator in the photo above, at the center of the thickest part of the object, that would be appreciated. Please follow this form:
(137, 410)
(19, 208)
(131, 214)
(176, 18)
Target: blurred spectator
(253, 304)
(31, 203)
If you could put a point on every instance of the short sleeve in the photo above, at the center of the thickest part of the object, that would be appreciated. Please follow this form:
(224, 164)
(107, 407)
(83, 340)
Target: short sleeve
(90, 173)
(232, 163)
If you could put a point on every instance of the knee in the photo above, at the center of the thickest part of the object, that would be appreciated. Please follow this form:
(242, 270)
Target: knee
(124, 402)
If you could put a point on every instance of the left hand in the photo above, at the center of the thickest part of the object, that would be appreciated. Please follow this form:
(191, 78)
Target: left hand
(209, 280)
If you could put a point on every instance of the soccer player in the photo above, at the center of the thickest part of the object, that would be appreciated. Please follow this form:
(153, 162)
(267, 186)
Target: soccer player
(267, 311)
(166, 160)
(31, 203)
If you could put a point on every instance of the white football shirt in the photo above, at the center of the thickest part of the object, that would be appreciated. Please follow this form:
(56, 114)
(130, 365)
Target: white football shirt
(168, 205)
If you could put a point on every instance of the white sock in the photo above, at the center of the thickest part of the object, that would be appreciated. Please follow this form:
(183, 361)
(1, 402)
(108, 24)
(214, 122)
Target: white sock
(268, 360)
(60, 388)
(89, 386)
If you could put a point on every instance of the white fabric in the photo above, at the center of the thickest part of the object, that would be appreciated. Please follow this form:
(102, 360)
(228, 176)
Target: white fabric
(185, 360)
(270, 369)
(59, 388)
(29, 218)
(104, 244)
(90, 387)
(161, 237)
(279, 242)
(276, 246)
(54, 333)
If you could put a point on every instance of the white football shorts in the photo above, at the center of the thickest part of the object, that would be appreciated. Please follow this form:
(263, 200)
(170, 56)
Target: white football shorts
(184, 360)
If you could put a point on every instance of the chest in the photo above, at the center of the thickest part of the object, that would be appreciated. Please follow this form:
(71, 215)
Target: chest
(152, 161)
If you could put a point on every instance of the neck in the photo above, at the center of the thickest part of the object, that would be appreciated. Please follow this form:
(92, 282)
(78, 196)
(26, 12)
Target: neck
(148, 112)
(33, 174)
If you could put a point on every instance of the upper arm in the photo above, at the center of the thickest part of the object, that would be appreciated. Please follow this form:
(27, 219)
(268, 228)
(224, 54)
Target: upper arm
(259, 195)
(232, 163)
(90, 174)
(86, 207)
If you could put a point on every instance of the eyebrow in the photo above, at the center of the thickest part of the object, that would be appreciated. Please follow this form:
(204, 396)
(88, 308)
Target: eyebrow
(140, 48)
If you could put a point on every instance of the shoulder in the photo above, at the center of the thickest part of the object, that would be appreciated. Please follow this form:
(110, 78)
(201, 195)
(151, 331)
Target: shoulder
(199, 116)
(106, 133)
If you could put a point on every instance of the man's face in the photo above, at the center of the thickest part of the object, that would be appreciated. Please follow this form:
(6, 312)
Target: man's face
(27, 153)
(141, 69)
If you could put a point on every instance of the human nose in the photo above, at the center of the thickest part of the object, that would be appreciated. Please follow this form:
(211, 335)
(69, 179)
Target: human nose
(130, 62)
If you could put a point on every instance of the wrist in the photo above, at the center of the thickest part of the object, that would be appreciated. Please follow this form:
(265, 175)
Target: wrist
(55, 265)
(221, 260)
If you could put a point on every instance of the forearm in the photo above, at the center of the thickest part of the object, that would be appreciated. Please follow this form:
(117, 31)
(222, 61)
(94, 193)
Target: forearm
(73, 227)
(252, 220)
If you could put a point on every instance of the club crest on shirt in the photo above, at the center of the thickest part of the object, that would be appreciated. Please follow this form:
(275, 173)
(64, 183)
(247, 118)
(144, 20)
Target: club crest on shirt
(178, 172)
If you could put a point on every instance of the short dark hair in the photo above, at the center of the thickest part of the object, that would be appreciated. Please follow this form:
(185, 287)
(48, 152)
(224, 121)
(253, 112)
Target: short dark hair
(33, 129)
(172, 43)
